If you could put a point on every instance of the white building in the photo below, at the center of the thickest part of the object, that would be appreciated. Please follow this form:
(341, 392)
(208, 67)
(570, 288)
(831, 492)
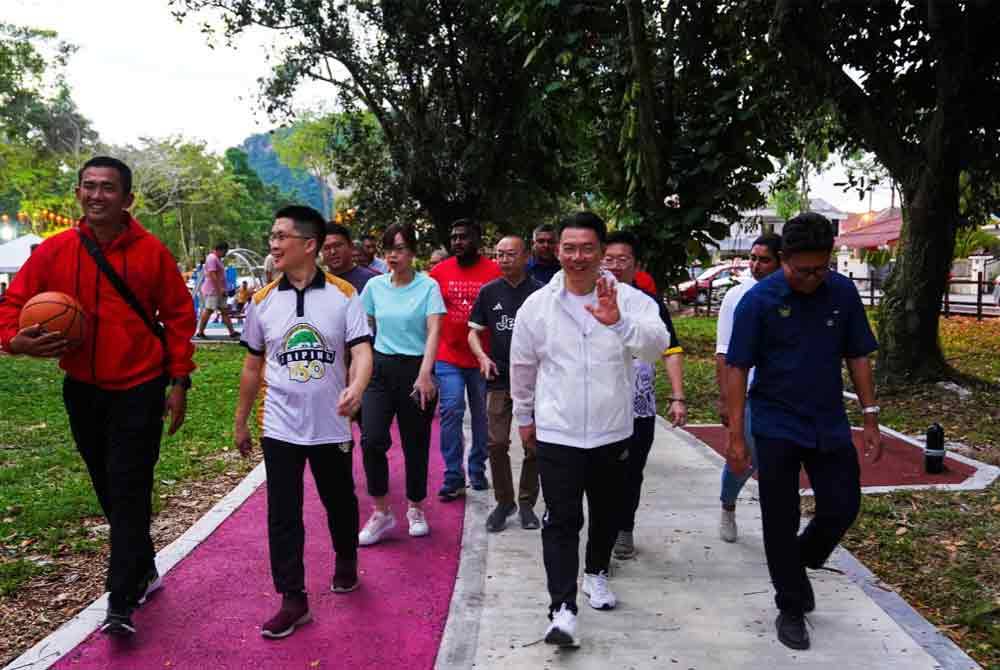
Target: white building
(756, 222)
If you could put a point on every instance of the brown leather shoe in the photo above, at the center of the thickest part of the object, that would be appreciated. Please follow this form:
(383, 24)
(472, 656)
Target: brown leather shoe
(293, 613)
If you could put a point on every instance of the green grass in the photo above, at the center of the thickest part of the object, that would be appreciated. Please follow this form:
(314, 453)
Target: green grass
(45, 492)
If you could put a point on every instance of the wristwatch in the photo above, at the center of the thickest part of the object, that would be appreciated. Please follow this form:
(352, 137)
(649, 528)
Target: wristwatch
(184, 382)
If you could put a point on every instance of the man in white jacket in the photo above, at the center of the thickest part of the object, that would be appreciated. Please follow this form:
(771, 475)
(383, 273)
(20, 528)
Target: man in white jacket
(571, 384)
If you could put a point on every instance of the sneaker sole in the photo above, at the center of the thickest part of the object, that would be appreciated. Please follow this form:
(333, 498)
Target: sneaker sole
(560, 638)
(600, 606)
(420, 533)
(304, 619)
(377, 538)
(151, 589)
(340, 589)
(118, 629)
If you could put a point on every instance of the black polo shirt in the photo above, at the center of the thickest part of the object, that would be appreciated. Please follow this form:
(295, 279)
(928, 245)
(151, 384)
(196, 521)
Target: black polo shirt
(797, 342)
(494, 311)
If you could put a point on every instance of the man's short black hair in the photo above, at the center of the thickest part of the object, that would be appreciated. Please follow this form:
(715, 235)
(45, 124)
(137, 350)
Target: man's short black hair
(770, 240)
(307, 222)
(808, 231)
(369, 236)
(624, 237)
(544, 228)
(587, 220)
(337, 229)
(470, 224)
(221, 246)
(124, 171)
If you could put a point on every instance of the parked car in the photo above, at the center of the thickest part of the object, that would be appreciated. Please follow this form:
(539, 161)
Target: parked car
(718, 277)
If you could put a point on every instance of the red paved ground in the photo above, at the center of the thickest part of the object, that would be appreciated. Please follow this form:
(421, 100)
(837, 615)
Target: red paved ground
(901, 463)
(209, 613)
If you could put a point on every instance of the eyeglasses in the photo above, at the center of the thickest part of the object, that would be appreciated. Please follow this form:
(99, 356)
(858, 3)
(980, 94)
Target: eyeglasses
(817, 271)
(503, 255)
(399, 249)
(617, 261)
(281, 237)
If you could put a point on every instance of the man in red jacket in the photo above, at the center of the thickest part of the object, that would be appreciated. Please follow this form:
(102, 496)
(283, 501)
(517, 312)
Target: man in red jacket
(116, 379)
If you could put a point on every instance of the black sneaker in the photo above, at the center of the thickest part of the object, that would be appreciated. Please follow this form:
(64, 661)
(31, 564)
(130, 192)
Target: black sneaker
(151, 583)
(792, 630)
(528, 519)
(450, 493)
(345, 577)
(497, 520)
(481, 484)
(118, 623)
(294, 612)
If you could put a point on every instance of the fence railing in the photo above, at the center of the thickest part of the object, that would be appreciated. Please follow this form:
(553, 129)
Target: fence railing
(981, 302)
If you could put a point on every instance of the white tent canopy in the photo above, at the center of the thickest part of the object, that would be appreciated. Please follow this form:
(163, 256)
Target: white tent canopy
(13, 254)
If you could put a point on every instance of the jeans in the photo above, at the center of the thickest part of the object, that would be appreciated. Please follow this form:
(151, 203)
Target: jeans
(835, 478)
(453, 382)
(118, 435)
(390, 394)
(568, 474)
(732, 484)
(286, 534)
(500, 408)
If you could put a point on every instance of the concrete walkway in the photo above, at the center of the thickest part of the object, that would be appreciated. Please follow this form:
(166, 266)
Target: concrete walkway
(688, 600)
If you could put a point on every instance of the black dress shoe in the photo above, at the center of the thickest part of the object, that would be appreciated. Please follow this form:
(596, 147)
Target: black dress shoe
(792, 630)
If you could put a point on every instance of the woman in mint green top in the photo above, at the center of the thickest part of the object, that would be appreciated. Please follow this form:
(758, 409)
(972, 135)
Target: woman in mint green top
(406, 307)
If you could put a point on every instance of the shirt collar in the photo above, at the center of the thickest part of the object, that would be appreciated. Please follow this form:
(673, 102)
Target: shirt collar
(318, 281)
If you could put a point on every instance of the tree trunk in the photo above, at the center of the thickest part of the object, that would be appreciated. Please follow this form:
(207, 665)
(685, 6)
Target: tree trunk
(651, 172)
(909, 348)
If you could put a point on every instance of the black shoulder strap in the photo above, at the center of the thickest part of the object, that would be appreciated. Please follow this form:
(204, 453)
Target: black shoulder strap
(120, 285)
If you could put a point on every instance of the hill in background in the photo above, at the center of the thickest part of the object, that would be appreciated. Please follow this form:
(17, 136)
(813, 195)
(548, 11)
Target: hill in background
(298, 183)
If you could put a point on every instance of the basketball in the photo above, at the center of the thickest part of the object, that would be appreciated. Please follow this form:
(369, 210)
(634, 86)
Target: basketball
(55, 312)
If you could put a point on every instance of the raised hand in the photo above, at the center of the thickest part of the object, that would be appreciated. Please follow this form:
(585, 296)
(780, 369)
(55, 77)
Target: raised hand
(606, 310)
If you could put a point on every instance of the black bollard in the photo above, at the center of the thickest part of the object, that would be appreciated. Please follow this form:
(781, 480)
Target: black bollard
(934, 450)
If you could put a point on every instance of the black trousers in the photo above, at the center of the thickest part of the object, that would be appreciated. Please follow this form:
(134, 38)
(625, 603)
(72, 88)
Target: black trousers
(286, 533)
(639, 445)
(835, 478)
(390, 395)
(567, 474)
(118, 435)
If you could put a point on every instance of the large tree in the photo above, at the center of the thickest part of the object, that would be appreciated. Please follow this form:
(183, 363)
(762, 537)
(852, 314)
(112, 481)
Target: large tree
(915, 83)
(677, 98)
(470, 131)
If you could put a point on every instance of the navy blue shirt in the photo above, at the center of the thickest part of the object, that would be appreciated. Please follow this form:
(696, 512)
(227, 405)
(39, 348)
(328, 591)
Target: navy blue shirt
(543, 272)
(797, 342)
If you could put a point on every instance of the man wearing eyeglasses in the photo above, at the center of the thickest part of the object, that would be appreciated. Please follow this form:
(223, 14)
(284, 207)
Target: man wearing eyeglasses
(494, 312)
(795, 327)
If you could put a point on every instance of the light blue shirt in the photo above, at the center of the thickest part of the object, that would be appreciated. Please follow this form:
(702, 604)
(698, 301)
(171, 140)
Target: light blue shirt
(401, 312)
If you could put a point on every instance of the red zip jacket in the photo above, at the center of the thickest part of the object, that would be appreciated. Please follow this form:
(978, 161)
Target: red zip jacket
(119, 350)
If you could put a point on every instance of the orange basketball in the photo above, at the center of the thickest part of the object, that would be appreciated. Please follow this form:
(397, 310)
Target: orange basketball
(57, 313)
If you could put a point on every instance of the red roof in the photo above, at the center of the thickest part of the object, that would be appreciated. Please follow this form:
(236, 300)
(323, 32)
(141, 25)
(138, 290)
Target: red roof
(882, 231)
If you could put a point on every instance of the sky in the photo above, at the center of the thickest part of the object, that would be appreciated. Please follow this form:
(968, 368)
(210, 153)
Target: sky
(140, 73)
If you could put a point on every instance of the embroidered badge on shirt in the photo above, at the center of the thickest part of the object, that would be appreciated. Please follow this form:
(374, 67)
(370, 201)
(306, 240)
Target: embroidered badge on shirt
(784, 311)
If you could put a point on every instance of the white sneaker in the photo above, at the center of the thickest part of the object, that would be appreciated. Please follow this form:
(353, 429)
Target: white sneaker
(562, 630)
(727, 525)
(418, 522)
(379, 523)
(596, 586)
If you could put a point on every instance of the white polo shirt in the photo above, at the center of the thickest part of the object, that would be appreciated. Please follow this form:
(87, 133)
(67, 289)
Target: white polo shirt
(304, 336)
(727, 310)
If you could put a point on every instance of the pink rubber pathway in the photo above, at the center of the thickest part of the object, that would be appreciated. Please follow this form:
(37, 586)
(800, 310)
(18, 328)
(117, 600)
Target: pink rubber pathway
(209, 612)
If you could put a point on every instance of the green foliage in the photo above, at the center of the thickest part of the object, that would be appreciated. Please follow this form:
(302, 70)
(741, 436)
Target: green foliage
(469, 131)
(969, 241)
(674, 98)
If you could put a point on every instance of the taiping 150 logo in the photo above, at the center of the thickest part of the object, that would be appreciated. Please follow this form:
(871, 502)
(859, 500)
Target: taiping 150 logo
(305, 354)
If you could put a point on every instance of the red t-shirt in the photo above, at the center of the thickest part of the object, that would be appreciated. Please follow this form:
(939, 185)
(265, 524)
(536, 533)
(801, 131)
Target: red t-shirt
(645, 281)
(459, 288)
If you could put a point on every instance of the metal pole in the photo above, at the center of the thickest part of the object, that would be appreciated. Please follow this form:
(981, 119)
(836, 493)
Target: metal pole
(979, 296)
